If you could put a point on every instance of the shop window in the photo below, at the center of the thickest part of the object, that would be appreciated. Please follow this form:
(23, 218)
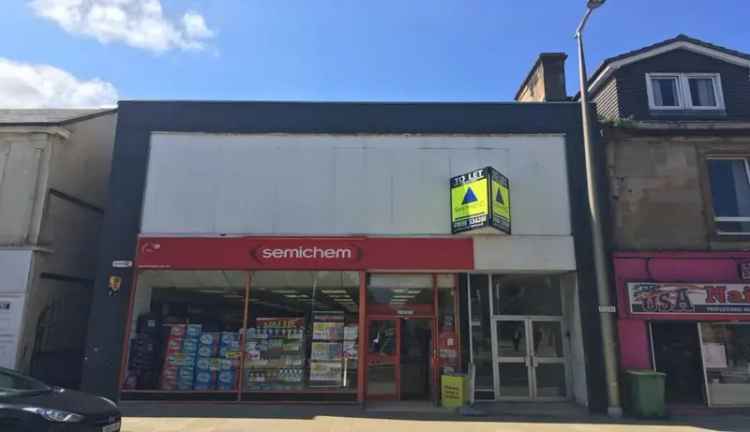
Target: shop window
(302, 332)
(726, 358)
(526, 295)
(185, 331)
(730, 194)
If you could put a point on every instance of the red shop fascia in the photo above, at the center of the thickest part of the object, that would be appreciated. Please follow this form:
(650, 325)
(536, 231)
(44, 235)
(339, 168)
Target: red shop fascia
(361, 253)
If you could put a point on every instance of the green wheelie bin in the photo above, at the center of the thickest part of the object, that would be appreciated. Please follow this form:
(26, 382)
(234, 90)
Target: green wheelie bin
(645, 393)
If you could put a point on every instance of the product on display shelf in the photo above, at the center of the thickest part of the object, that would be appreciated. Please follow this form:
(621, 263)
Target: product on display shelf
(193, 330)
(194, 359)
(351, 332)
(326, 351)
(326, 371)
(143, 363)
(274, 354)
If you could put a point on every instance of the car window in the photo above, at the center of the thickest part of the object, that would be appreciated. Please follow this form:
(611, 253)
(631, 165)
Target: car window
(13, 383)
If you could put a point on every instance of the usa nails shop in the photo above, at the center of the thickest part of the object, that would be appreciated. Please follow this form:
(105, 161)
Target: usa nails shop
(688, 314)
(344, 252)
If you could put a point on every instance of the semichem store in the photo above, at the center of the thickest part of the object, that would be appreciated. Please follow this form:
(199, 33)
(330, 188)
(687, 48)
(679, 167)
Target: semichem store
(687, 314)
(282, 318)
(356, 263)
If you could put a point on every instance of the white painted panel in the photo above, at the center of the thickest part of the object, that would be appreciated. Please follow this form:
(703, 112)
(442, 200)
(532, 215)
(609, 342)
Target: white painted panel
(14, 270)
(306, 191)
(524, 253)
(340, 185)
(350, 185)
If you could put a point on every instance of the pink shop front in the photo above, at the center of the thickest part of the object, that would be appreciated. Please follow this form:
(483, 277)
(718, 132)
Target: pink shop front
(687, 314)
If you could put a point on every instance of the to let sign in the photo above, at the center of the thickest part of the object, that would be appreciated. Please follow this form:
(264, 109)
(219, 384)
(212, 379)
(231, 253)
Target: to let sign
(479, 199)
(688, 298)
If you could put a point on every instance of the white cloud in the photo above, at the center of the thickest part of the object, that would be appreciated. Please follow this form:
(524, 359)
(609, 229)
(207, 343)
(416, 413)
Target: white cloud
(138, 23)
(25, 85)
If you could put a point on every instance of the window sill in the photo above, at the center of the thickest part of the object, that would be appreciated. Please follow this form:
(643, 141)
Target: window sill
(689, 113)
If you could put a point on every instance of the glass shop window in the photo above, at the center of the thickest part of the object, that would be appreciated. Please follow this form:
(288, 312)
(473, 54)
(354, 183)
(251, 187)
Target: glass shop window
(526, 295)
(185, 331)
(726, 358)
(302, 332)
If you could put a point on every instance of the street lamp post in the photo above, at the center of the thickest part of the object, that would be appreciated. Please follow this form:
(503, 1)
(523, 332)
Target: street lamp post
(614, 408)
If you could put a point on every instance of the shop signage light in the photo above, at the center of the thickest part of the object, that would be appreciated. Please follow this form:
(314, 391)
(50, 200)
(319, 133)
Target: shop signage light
(305, 253)
(480, 199)
(688, 298)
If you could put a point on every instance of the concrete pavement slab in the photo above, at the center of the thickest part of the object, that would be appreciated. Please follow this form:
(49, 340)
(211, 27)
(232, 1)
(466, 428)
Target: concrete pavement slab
(348, 424)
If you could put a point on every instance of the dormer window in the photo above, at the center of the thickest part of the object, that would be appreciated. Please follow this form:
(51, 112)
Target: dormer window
(684, 91)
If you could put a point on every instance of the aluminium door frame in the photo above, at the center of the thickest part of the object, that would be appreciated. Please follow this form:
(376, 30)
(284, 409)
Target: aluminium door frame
(530, 361)
(493, 339)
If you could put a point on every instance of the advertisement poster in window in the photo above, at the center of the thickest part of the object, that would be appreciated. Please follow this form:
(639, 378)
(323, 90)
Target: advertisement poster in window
(326, 372)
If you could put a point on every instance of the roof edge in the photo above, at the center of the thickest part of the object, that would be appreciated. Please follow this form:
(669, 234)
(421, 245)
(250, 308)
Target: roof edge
(612, 64)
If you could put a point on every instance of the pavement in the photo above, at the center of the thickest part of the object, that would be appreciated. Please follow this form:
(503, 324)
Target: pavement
(162, 417)
(344, 424)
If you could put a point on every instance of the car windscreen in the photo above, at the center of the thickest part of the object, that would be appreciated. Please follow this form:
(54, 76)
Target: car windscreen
(11, 384)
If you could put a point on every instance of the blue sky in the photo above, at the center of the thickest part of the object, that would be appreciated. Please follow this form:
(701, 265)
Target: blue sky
(407, 50)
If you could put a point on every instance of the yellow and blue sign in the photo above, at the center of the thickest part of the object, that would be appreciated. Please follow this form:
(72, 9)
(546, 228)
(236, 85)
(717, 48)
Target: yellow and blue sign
(480, 198)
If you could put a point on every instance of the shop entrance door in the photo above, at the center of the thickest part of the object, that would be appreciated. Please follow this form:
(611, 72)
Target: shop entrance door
(676, 350)
(530, 361)
(383, 363)
(400, 359)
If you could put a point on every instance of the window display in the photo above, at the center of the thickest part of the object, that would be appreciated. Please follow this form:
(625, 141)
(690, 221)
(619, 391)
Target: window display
(186, 335)
(241, 335)
(274, 354)
(297, 337)
(726, 358)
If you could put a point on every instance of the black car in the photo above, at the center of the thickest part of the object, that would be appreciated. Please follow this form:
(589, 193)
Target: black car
(29, 405)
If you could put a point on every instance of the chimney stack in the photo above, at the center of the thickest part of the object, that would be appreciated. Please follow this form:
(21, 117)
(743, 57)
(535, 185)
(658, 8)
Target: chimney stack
(545, 81)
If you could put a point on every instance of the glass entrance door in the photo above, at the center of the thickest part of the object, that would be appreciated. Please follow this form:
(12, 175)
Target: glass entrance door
(383, 359)
(530, 358)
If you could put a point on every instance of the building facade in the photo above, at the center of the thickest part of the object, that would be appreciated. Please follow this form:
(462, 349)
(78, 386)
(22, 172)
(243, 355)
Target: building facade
(306, 251)
(676, 128)
(54, 166)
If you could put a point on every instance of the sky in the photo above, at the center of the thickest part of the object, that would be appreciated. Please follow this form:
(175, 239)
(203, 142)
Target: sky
(83, 53)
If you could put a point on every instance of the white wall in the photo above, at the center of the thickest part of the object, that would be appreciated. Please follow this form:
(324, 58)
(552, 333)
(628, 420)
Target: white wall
(338, 185)
(14, 278)
(23, 166)
(515, 253)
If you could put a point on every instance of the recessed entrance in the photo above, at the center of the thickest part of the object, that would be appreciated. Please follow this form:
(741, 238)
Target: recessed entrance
(400, 359)
(676, 350)
(519, 337)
